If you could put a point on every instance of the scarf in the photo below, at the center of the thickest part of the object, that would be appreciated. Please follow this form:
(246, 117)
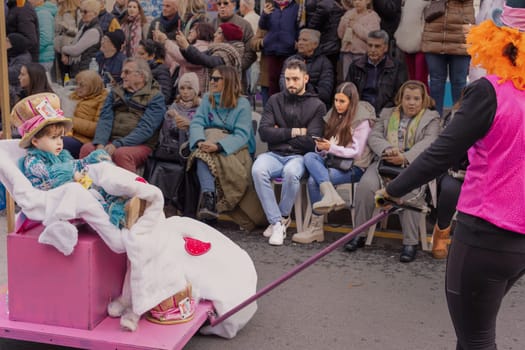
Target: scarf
(393, 129)
(133, 32)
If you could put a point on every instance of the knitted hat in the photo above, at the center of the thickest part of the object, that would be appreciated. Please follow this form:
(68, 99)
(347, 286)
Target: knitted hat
(512, 15)
(190, 79)
(35, 112)
(117, 38)
(231, 32)
(19, 44)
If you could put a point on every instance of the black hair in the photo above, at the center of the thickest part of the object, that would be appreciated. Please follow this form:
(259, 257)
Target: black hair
(153, 48)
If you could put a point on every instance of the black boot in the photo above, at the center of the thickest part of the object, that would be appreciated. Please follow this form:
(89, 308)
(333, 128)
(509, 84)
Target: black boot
(354, 244)
(207, 209)
(408, 254)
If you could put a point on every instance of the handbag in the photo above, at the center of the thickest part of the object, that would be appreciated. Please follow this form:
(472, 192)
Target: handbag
(434, 10)
(389, 170)
(340, 163)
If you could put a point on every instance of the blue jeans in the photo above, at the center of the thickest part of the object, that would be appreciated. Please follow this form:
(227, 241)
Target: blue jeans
(439, 66)
(269, 166)
(206, 179)
(319, 174)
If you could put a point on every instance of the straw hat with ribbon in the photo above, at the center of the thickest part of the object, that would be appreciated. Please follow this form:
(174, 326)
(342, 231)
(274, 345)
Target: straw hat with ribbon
(34, 113)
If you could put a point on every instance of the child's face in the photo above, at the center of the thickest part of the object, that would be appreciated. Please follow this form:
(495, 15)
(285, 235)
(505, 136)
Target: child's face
(186, 93)
(52, 142)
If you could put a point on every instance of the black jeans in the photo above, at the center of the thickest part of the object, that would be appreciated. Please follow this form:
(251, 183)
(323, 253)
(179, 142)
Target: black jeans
(477, 279)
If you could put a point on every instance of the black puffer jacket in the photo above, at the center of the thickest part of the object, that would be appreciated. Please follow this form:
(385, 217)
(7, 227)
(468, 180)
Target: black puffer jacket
(390, 13)
(391, 77)
(324, 16)
(161, 73)
(23, 20)
(283, 112)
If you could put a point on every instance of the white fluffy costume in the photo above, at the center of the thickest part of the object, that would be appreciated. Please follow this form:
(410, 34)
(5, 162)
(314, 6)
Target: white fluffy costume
(160, 266)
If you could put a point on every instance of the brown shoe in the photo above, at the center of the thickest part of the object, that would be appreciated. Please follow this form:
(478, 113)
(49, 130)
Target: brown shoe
(440, 241)
(134, 210)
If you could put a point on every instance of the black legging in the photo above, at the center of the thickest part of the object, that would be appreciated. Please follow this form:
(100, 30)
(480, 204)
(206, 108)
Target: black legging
(449, 189)
(477, 280)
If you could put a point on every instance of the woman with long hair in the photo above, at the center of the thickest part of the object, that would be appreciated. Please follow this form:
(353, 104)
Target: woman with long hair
(33, 80)
(400, 135)
(341, 156)
(191, 12)
(222, 142)
(133, 25)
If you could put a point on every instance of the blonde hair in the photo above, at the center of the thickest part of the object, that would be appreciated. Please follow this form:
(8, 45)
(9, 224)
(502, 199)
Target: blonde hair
(92, 81)
(69, 6)
(190, 6)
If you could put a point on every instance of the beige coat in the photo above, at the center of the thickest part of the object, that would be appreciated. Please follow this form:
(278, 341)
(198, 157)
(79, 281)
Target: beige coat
(447, 34)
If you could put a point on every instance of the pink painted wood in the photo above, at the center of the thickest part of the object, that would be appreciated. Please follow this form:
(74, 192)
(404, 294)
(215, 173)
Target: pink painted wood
(107, 335)
(71, 291)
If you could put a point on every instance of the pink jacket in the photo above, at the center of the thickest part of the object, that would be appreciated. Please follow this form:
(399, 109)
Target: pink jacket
(361, 25)
(494, 187)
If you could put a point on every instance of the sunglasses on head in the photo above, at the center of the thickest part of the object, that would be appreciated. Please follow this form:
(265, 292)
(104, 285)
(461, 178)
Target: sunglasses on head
(216, 79)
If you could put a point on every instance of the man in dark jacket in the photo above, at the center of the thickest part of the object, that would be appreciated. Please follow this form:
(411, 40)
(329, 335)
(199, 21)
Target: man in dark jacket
(376, 75)
(21, 18)
(320, 70)
(289, 121)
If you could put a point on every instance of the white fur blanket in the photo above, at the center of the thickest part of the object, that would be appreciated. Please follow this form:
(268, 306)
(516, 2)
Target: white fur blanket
(160, 265)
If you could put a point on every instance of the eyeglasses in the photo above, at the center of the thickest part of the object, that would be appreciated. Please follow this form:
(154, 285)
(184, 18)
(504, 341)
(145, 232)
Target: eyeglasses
(83, 12)
(216, 79)
(223, 3)
(127, 71)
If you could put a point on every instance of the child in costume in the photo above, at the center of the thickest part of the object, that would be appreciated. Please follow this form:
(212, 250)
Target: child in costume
(48, 165)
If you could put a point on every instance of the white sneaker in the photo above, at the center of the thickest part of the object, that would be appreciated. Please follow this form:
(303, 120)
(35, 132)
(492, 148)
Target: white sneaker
(269, 230)
(278, 234)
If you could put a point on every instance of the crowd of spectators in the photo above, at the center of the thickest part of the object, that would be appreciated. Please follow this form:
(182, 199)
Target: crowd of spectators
(127, 72)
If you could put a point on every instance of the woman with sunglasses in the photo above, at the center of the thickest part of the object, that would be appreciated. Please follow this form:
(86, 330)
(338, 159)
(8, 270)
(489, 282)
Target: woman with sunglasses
(86, 44)
(346, 131)
(222, 142)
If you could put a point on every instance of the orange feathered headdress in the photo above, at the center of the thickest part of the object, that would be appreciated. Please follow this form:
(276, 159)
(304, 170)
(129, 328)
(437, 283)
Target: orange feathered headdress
(498, 45)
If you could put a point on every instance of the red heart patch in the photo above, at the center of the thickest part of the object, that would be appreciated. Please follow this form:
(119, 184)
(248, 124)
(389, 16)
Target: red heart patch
(141, 179)
(195, 247)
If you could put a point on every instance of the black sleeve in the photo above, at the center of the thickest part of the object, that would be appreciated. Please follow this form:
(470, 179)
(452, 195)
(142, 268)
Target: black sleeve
(471, 122)
(193, 55)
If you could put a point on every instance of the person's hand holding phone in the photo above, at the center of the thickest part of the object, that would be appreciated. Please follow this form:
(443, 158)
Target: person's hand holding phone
(321, 144)
(268, 8)
(181, 40)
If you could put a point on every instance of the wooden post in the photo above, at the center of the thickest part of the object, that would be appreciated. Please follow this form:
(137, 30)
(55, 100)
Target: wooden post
(6, 111)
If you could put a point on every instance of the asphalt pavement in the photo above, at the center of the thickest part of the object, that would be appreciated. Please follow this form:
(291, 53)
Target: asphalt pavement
(366, 300)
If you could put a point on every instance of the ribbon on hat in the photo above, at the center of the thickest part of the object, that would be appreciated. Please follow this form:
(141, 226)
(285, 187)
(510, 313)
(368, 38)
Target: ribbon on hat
(31, 124)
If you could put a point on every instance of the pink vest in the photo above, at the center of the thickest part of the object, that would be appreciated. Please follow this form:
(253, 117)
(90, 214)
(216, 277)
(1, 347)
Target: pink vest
(494, 187)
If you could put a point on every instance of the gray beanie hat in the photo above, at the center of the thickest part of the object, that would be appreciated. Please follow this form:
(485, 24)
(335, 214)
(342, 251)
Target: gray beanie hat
(190, 79)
